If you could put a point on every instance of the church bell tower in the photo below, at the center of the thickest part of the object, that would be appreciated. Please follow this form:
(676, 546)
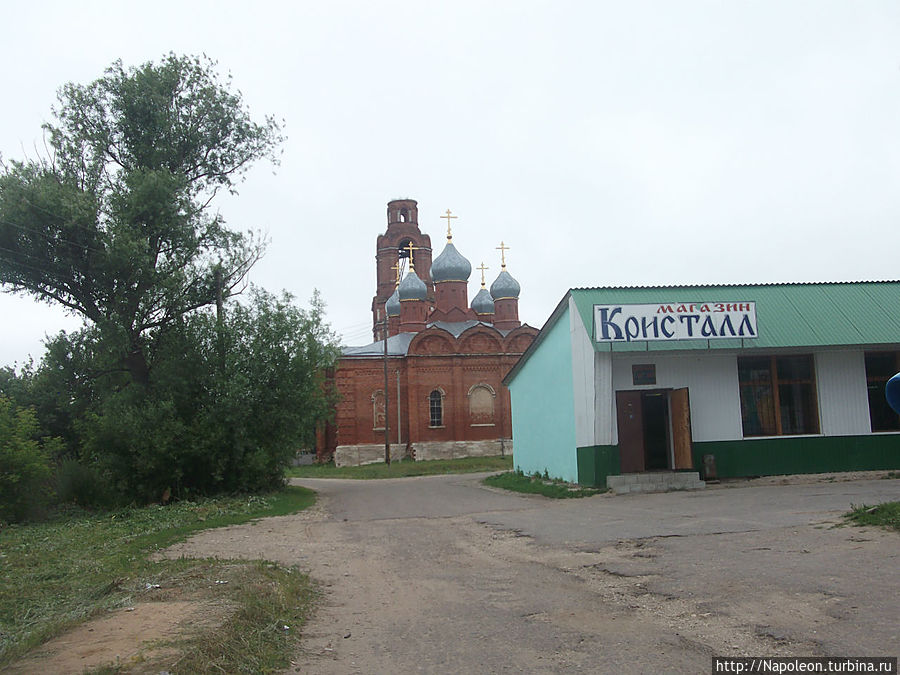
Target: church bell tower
(392, 253)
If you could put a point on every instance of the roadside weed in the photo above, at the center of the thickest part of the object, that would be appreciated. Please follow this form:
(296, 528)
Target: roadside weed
(881, 515)
(517, 481)
(403, 468)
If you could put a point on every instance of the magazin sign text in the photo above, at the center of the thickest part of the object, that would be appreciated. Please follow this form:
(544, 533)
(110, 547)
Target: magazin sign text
(675, 321)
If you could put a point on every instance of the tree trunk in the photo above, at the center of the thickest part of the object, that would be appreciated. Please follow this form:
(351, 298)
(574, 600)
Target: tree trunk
(136, 362)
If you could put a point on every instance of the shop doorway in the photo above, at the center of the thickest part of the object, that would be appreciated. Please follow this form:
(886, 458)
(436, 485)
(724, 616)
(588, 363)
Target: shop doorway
(654, 430)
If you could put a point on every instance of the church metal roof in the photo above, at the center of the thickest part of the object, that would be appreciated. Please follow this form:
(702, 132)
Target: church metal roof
(398, 345)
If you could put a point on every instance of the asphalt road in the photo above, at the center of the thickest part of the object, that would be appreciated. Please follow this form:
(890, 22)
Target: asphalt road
(443, 575)
(603, 518)
(628, 583)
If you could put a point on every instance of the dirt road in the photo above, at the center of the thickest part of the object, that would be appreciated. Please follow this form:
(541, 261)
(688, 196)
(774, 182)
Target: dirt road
(439, 575)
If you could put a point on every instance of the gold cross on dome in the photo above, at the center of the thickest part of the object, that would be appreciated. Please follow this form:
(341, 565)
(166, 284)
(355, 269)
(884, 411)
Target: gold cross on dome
(482, 268)
(503, 249)
(396, 268)
(449, 217)
(409, 247)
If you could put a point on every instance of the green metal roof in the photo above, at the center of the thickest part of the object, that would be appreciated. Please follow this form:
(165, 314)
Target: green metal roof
(787, 315)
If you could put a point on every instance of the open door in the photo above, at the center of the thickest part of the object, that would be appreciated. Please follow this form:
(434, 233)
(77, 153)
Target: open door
(630, 420)
(681, 429)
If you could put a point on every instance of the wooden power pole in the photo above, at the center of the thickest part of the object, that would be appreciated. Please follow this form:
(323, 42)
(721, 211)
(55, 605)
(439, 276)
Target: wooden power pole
(387, 433)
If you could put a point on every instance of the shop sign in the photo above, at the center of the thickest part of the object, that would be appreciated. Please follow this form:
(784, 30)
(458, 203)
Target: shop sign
(674, 321)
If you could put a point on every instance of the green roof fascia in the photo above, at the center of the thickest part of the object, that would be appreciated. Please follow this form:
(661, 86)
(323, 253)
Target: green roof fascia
(788, 315)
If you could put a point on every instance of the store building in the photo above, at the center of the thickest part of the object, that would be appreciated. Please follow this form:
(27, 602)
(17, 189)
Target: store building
(724, 380)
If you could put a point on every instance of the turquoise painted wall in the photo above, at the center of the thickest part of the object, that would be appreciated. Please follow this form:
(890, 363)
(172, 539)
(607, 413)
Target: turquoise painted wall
(812, 454)
(543, 407)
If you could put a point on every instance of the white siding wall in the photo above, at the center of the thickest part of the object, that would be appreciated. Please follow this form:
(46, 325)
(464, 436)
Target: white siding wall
(712, 381)
(583, 384)
(605, 420)
(842, 392)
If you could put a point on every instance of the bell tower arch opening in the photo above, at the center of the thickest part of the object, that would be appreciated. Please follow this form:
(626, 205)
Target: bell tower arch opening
(403, 211)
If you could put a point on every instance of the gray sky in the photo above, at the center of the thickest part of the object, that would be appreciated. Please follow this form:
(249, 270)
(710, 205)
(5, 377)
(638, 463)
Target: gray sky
(607, 142)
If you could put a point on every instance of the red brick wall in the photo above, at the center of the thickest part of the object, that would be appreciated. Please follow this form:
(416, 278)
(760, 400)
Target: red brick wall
(436, 360)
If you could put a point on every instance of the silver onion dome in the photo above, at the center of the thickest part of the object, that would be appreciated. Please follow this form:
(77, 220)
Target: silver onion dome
(505, 286)
(392, 306)
(483, 303)
(412, 287)
(450, 265)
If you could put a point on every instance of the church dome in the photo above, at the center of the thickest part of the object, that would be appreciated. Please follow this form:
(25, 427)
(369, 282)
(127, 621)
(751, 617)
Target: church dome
(450, 265)
(412, 287)
(392, 306)
(505, 286)
(483, 303)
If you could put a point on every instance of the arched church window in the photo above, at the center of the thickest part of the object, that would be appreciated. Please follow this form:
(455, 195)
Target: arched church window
(378, 410)
(436, 408)
(481, 405)
(404, 215)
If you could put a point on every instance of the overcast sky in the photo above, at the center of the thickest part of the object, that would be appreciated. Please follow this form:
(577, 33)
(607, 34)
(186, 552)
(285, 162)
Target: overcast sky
(606, 142)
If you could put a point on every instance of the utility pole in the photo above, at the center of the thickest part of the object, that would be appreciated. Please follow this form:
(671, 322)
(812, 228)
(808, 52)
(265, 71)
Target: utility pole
(220, 316)
(387, 433)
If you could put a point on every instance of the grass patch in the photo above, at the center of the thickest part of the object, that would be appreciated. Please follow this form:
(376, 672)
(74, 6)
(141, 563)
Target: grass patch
(57, 574)
(403, 468)
(882, 515)
(548, 487)
(273, 602)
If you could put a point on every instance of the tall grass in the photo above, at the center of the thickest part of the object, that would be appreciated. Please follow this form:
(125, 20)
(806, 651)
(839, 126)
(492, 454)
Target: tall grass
(56, 574)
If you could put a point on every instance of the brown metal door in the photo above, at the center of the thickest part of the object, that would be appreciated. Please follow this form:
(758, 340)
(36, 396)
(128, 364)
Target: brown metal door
(681, 429)
(631, 431)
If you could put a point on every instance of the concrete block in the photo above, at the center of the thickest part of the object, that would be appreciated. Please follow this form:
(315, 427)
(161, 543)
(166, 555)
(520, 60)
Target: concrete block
(369, 453)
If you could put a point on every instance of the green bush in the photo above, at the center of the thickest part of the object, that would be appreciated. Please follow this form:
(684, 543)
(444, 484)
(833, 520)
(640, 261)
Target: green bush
(79, 483)
(225, 408)
(25, 471)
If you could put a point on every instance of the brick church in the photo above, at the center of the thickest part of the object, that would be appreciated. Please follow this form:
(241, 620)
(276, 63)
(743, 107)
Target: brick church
(446, 358)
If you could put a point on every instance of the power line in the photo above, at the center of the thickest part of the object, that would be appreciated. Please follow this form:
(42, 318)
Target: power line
(24, 264)
(354, 328)
(52, 239)
(22, 254)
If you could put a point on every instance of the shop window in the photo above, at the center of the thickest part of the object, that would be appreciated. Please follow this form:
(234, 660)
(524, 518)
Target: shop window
(880, 367)
(778, 395)
(436, 408)
(378, 410)
(481, 405)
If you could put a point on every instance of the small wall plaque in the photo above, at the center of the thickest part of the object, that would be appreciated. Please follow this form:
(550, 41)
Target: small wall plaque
(643, 373)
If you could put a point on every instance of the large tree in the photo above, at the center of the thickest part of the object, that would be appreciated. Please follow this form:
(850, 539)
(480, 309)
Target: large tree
(114, 222)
